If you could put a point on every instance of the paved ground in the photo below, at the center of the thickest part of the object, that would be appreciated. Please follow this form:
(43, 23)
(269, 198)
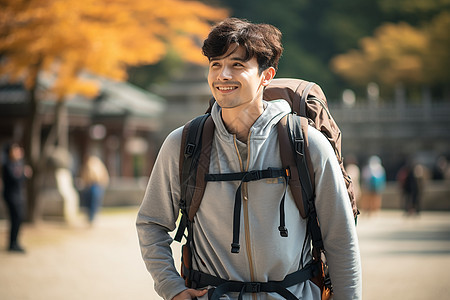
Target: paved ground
(403, 258)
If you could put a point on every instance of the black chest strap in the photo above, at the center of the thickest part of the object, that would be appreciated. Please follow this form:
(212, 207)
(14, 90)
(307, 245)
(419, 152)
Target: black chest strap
(247, 177)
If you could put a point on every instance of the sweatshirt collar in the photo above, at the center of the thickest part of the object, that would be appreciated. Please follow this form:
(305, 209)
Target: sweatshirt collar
(274, 111)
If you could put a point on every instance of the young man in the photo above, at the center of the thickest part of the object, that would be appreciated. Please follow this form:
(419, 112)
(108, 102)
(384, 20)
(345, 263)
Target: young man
(243, 60)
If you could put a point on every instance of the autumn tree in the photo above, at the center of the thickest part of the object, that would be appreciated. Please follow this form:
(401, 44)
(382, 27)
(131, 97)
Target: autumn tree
(64, 39)
(400, 54)
(393, 55)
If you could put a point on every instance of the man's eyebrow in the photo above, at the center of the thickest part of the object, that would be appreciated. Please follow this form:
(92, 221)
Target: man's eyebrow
(236, 58)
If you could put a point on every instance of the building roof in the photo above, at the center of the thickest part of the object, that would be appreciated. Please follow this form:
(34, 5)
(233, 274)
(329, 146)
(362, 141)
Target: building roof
(115, 99)
(123, 98)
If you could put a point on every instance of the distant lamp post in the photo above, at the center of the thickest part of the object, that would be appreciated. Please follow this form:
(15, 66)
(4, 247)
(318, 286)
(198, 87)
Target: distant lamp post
(373, 93)
(136, 146)
(97, 132)
(349, 98)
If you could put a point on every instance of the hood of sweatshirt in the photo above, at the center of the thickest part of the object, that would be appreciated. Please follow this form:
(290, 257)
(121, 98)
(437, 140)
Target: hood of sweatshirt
(273, 112)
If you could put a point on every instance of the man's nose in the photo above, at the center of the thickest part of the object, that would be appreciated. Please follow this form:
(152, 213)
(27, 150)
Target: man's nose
(224, 73)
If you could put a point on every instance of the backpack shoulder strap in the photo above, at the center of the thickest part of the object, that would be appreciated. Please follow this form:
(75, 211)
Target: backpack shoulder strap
(293, 141)
(202, 167)
(305, 94)
(302, 175)
(298, 129)
(189, 152)
(194, 161)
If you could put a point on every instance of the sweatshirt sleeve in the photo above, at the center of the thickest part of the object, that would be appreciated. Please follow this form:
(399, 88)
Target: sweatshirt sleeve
(336, 219)
(157, 217)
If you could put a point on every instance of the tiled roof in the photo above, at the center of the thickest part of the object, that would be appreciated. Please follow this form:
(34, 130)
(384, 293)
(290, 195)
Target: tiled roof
(116, 99)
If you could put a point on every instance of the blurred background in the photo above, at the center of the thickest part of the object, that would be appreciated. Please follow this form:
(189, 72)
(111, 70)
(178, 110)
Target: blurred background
(111, 79)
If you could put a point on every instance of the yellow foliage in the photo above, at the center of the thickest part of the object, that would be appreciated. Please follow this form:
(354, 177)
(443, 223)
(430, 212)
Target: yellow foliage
(67, 37)
(394, 55)
(352, 66)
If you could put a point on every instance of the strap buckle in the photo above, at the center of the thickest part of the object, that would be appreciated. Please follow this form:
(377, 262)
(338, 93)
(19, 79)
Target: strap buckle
(252, 287)
(299, 146)
(288, 172)
(254, 175)
(235, 247)
(283, 231)
(189, 150)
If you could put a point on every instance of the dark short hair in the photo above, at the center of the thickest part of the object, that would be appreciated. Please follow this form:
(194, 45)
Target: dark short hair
(262, 41)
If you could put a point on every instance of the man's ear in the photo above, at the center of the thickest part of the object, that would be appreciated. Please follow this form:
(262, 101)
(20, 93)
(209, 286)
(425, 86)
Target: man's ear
(268, 75)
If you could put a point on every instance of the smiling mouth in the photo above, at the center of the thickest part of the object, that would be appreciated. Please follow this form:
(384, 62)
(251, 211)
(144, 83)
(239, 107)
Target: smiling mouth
(226, 88)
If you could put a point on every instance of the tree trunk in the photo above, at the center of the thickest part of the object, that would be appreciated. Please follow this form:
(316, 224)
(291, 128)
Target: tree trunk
(59, 134)
(33, 148)
(62, 126)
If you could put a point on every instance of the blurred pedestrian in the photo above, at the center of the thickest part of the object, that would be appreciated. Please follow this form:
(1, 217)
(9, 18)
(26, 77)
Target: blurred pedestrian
(14, 173)
(374, 183)
(441, 170)
(410, 179)
(355, 174)
(95, 178)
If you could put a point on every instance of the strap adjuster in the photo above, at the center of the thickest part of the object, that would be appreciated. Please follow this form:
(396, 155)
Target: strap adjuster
(283, 231)
(252, 176)
(299, 146)
(235, 248)
(252, 287)
(288, 172)
(189, 150)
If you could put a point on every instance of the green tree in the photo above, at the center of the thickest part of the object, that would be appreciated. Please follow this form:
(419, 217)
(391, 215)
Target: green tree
(414, 12)
(315, 31)
(437, 60)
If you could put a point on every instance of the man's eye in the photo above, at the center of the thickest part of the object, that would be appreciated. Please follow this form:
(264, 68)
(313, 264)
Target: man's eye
(238, 65)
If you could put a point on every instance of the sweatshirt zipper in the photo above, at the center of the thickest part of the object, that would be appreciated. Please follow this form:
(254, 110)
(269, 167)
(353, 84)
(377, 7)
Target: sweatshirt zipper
(245, 206)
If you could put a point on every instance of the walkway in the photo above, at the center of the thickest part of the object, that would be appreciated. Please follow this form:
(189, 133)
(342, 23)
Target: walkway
(402, 259)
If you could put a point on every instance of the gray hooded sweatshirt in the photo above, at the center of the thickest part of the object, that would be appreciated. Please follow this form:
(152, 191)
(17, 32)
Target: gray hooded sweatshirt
(264, 255)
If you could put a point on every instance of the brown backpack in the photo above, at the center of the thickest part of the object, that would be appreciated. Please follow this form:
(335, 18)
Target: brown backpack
(308, 101)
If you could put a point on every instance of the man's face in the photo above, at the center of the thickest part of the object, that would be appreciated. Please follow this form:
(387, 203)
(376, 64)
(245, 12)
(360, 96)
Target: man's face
(232, 80)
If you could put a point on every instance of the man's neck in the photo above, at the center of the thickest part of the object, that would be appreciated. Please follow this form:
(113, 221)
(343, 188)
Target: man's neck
(239, 120)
